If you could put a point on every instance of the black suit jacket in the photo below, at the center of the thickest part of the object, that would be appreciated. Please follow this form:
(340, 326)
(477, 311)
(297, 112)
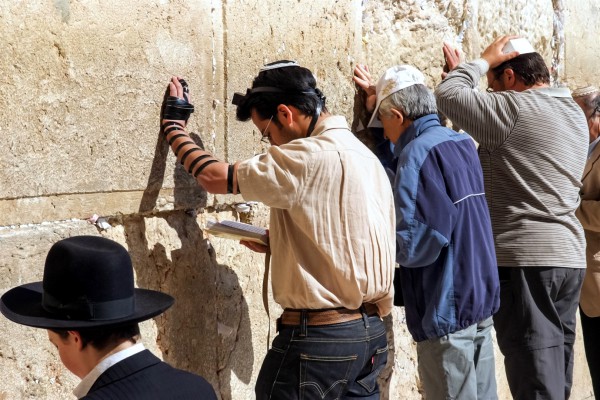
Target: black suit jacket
(144, 376)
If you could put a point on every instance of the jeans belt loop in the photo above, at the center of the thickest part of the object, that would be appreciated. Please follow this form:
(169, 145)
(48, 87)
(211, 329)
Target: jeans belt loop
(365, 317)
(303, 322)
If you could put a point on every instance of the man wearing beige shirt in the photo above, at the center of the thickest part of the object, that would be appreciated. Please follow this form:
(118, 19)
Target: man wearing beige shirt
(331, 232)
(588, 98)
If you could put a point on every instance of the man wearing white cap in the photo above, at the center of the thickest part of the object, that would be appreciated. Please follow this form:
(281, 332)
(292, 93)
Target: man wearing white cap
(444, 241)
(588, 213)
(532, 146)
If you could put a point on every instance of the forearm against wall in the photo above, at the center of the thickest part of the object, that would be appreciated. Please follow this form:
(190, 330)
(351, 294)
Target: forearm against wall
(456, 94)
(209, 172)
(488, 117)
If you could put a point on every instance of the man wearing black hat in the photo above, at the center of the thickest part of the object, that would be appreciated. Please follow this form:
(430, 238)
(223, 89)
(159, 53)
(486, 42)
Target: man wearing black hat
(331, 232)
(88, 304)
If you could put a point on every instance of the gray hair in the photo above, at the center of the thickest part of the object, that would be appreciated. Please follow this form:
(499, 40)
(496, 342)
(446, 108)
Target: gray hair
(414, 101)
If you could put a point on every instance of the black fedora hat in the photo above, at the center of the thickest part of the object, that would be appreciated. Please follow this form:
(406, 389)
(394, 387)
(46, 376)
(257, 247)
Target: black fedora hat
(88, 282)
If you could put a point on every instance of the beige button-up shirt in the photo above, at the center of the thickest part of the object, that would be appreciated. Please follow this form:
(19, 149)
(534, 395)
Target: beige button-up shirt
(332, 228)
(589, 215)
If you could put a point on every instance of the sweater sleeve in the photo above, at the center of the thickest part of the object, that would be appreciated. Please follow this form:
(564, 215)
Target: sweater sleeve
(488, 117)
(425, 217)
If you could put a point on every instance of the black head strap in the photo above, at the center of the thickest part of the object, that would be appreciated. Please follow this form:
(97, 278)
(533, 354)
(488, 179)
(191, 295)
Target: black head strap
(317, 113)
(239, 99)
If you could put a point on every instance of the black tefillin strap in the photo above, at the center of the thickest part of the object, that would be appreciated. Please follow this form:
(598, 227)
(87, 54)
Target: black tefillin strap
(230, 171)
(83, 308)
(171, 126)
(239, 99)
(176, 108)
(315, 117)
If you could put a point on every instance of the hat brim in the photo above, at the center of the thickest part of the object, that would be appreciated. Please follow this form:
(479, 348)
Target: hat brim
(374, 122)
(23, 305)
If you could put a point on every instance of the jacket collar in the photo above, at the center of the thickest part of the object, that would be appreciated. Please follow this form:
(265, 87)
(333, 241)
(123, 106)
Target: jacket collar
(125, 368)
(418, 126)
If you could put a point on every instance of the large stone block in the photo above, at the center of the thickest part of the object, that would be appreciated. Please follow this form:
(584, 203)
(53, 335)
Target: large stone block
(582, 50)
(82, 88)
(413, 32)
(321, 35)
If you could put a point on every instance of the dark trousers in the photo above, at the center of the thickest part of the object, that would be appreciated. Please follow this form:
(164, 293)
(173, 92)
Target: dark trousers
(535, 329)
(591, 335)
(339, 361)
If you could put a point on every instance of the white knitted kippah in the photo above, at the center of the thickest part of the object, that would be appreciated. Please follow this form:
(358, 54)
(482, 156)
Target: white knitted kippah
(584, 91)
(279, 65)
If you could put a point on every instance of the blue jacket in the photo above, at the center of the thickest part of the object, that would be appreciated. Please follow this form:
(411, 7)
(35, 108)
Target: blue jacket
(444, 237)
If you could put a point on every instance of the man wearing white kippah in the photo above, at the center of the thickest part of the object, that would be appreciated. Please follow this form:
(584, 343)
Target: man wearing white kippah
(444, 243)
(588, 213)
(532, 147)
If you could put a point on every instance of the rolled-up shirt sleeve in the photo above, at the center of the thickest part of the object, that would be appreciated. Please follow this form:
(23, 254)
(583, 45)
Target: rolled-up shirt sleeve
(488, 117)
(276, 177)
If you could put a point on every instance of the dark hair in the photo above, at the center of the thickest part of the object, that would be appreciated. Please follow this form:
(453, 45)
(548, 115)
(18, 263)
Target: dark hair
(101, 338)
(530, 67)
(298, 88)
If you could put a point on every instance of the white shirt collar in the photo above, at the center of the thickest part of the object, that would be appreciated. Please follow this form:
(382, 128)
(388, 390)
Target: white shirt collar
(108, 361)
(554, 91)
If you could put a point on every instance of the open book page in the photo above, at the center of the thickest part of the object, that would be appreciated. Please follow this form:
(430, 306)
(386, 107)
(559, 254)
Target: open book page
(237, 231)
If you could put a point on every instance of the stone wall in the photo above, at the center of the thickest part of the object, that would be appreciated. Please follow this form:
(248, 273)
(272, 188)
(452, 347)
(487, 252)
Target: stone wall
(80, 93)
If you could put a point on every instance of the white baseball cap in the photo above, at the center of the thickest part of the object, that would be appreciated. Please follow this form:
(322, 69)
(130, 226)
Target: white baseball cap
(393, 80)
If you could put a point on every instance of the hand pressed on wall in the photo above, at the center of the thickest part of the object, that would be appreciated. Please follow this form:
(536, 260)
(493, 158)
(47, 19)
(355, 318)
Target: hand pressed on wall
(451, 57)
(176, 104)
(362, 77)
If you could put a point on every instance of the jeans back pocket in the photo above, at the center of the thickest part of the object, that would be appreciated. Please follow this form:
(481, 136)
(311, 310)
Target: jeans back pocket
(324, 377)
(373, 369)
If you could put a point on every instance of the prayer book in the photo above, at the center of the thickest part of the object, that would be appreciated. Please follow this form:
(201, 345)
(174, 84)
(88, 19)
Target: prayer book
(238, 231)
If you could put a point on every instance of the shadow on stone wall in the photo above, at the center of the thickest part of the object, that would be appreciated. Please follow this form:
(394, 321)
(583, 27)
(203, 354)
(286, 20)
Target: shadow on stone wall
(385, 376)
(156, 175)
(208, 330)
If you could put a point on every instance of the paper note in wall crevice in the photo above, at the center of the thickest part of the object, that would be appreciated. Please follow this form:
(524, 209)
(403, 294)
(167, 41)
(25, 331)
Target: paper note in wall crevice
(237, 231)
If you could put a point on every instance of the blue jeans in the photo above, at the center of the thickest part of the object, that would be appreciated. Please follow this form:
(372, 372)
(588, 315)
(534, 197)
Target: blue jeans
(459, 365)
(338, 361)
